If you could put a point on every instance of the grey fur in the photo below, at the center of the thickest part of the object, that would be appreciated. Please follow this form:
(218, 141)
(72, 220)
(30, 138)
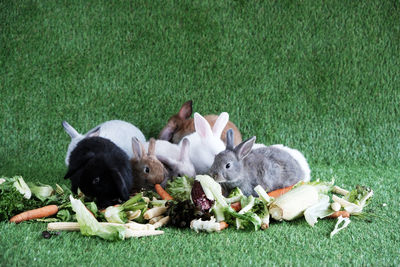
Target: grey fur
(270, 167)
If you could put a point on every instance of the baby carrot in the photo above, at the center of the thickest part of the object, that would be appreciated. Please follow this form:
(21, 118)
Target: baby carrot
(278, 192)
(223, 225)
(336, 214)
(163, 194)
(236, 206)
(35, 214)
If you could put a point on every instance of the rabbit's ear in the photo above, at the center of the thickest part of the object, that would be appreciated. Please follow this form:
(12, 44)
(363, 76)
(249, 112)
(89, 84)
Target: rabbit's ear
(220, 124)
(186, 110)
(121, 185)
(94, 133)
(244, 148)
(73, 170)
(70, 130)
(167, 133)
(229, 140)
(137, 149)
(152, 147)
(202, 126)
(167, 161)
(185, 148)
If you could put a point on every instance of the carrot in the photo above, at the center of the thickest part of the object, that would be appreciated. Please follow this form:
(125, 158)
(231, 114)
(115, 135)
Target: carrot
(223, 225)
(278, 192)
(236, 206)
(35, 214)
(163, 194)
(336, 214)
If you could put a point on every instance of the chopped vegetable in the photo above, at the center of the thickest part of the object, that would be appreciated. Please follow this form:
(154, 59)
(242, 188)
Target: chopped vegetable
(41, 191)
(91, 227)
(163, 194)
(278, 192)
(22, 187)
(35, 214)
(236, 206)
(154, 212)
(163, 221)
(345, 221)
(319, 210)
(208, 226)
(180, 188)
(121, 213)
(182, 213)
(199, 198)
(335, 206)
(339, 213)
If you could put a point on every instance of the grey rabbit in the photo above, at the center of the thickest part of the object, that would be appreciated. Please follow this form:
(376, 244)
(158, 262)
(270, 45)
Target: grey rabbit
(272, 167)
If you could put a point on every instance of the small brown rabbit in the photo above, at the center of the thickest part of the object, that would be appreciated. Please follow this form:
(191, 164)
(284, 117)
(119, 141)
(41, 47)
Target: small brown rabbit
(180, 125)
(146, 168)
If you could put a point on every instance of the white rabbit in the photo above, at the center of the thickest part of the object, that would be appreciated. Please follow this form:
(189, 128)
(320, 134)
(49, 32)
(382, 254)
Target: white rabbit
(174, 157)
(205, 142)
(119, 132)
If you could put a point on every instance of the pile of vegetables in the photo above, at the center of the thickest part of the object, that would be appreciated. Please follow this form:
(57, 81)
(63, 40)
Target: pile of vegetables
(195, 203)
(310, 200)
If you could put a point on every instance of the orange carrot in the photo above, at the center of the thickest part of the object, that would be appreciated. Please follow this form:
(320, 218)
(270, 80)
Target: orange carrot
(236, 206)
(278, 192)
(35, 214)
(223, 225)
(336, 214)
(163, 194)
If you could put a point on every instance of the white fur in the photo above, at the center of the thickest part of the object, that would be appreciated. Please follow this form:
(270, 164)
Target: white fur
(176, 156)
(117, 131)
(205, 142)
(299, 157)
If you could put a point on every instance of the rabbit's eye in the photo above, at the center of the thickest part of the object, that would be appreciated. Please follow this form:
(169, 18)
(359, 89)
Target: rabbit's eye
(146, 169)
(96, 180)
(228, 165)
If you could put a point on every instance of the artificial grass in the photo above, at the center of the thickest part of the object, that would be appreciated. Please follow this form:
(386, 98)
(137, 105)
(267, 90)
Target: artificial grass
(322, 78)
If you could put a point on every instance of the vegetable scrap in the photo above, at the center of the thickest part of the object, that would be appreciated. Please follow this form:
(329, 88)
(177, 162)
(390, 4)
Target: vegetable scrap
(192, 203)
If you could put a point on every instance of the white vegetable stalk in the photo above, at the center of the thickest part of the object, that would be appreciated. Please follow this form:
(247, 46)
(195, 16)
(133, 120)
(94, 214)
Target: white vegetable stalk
(262, 194)
(208, 226)
(292, 204)
(345, 221)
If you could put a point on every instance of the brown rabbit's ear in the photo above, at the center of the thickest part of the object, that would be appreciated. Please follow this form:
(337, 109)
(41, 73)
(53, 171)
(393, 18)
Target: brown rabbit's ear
(186, 110)
(152, 147)
(137, 149)
(167, 133)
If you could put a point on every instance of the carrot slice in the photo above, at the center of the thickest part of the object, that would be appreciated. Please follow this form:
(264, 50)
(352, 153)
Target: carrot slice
(279, 192)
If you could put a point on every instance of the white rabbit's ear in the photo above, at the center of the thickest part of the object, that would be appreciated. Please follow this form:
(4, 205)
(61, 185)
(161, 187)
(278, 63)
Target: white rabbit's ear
(244, 148)
(184, 153)
(167, 161)
(203, 128)
(220, 124)
(70, 130)
(137, 149)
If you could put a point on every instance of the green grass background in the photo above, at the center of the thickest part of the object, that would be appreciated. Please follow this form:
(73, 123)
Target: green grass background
(319, 77)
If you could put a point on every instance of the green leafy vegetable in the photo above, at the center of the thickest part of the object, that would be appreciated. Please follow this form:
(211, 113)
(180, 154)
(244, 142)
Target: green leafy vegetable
(89, 226)
(180, 188)
(119, 214)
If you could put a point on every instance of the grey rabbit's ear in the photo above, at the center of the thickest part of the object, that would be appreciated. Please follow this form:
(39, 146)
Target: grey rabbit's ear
(244, 148)
(137, 149)
(121, 185)
(94, 133)
(229, 140)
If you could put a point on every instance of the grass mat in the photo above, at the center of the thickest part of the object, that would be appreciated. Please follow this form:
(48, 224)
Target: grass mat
(319, 77)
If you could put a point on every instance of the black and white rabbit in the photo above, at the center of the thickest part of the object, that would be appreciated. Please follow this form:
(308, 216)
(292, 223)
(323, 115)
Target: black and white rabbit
(100, 169)
(272, 167)
(120, 132)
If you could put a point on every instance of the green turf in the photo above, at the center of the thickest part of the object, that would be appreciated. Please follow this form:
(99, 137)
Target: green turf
(322, 78)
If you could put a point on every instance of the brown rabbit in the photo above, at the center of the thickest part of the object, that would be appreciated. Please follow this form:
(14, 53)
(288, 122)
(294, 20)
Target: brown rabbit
(146, 168)
(180, 125)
